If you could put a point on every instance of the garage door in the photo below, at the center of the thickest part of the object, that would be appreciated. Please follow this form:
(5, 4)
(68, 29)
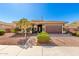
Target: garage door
(54, 29)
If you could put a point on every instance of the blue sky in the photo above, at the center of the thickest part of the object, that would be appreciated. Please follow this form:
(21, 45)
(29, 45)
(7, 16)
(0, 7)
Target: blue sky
(34, 11)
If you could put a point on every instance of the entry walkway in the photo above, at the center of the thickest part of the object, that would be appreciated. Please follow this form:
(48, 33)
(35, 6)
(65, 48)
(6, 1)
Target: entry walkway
(13, 50)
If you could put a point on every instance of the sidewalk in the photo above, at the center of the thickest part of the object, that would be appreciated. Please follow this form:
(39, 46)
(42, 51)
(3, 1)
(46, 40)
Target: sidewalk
(13, 50)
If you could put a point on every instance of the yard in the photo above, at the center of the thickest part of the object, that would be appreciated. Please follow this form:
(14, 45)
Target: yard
(7, 39)
(57, 40)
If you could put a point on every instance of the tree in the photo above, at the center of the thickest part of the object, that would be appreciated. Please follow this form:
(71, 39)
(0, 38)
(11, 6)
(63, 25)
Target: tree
(23, 24)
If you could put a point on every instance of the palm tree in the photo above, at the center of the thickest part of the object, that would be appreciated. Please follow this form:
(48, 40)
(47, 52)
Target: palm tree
(23, 24)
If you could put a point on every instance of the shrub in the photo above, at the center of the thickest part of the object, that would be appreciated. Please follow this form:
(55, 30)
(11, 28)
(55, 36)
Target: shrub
(43, 37)
(2, 32)
(77, 33)
(13, 30)
(43, 33)
(17, 29)
(73, 34)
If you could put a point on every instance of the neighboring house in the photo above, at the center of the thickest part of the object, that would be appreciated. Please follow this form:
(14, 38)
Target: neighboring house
(48, 26)
(7, 26)
(73, 25)
(1, 26)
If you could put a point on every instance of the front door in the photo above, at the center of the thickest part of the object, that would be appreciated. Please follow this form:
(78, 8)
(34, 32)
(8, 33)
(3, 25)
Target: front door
(39, 28)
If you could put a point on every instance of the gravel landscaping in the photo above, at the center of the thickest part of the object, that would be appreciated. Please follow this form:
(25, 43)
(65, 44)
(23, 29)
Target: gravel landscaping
(7, 39)
(56, 40)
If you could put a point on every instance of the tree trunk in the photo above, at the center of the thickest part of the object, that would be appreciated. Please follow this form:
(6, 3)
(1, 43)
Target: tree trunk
(25, 34)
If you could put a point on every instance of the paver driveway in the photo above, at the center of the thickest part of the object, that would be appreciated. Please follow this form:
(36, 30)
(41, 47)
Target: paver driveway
(64, 40)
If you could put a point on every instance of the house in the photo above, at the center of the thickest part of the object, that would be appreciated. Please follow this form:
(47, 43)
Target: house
(7, 26)
(55, 27)
(48, 26)
(72, 27)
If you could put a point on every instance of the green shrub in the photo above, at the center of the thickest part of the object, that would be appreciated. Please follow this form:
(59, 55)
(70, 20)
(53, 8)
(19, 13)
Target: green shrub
(2, 32)
(43, 37)
(13, 30)
(77, 33)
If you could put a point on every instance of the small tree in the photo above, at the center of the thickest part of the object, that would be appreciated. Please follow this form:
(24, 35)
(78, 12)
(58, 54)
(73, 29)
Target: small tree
(23, 24)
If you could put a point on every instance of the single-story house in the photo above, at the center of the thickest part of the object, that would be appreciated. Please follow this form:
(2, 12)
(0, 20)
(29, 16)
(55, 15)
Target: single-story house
(7, 26)
(55, 27)
(48, 26)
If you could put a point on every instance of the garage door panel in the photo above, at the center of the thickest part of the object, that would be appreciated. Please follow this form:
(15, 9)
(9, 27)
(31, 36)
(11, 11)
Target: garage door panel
(54, 28)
